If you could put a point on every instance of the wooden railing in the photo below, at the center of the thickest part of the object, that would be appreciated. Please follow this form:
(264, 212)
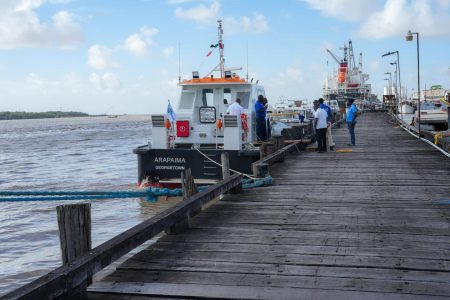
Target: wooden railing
(69, 281)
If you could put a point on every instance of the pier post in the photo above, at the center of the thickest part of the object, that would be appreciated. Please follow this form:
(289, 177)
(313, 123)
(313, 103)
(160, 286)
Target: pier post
(188, 184)
(189, 189)
(224, 158)
(260, 170)
(74, 223)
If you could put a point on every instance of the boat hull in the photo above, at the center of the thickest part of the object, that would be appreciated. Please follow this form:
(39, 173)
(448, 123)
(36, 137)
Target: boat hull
(406, 109)
(163, 164)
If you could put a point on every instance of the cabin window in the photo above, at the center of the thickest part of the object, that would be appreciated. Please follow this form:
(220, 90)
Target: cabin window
(227, 96)
(187, 100)
(208, 97)
(245, 97)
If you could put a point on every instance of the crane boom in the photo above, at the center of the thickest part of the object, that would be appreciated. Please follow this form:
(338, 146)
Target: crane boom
(336, 58)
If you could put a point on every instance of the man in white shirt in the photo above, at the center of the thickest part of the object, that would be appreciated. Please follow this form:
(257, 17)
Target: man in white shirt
(235, 108)
(320, 124)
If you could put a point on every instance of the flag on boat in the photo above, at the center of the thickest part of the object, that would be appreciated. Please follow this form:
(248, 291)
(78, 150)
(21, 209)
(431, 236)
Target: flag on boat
(170, 113)
(212, 47)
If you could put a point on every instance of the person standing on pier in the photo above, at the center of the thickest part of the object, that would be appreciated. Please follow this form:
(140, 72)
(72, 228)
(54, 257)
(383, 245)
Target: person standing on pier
(268, 125)
(351, 120)
(260, 112)
(330, 141)
(320, 124)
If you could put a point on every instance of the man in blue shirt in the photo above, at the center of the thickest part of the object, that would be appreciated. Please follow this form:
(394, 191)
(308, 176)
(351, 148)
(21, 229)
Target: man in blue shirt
(260, 112)
(325, 107)
(351, 120)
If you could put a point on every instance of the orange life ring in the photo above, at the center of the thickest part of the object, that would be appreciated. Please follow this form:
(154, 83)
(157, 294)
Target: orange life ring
(244, 122)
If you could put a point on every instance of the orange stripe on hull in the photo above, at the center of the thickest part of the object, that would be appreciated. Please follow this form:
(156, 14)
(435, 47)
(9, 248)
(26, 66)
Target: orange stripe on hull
(236, 79)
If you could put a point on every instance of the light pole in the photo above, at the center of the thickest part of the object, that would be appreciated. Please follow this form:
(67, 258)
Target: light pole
(390, 82)
(396, 82)
(388, 98)
(398, 64)
(409, 37)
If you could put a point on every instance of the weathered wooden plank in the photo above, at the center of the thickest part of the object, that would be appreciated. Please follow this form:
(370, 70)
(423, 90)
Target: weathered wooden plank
(403, 263)
(333, 226)
(241, 292)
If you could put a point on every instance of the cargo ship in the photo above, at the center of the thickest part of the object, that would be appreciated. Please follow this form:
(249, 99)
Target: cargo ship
(349, 81)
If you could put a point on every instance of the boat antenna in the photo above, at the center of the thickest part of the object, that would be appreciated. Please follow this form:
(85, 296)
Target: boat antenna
(179, 62)
(247, 62)
(222, 59)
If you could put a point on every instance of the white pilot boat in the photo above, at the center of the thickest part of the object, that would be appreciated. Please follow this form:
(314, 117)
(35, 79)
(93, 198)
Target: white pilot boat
(202, 129)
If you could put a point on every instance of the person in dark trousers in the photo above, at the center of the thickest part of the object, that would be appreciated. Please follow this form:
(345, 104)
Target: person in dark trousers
(351, 120)
(260, 112)
(330, 141)
(268, 125)
(320, 123)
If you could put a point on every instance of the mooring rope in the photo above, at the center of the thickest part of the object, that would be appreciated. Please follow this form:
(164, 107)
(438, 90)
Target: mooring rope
(150, 194)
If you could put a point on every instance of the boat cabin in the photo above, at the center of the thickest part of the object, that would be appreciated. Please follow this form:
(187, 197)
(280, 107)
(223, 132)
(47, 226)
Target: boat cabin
(201, 114)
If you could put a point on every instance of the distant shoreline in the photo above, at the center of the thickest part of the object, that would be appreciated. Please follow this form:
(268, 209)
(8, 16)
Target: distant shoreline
(22, 115)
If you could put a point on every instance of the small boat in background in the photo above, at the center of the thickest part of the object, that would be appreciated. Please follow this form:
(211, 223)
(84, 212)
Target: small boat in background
(406, 107)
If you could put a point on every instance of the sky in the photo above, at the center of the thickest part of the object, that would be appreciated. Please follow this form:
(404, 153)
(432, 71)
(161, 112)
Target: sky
(122, 56)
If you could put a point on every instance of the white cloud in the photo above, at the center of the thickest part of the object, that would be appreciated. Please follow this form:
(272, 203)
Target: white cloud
(108, 82)
(394, 19)
(257, 23)
(93, 94)
(348, 10)
(100, 57)
(179, 1)
(429, 18)
(168, 52)
(21, 27)
(138, 43)
(200, 14)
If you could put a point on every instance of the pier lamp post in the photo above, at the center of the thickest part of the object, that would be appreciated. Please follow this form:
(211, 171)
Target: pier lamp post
(398, 65)
(396, 77)
(387, 79)
(390, 81)
(409, 37)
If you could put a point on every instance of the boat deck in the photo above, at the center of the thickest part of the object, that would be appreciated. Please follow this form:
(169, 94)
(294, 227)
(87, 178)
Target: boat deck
(353, 225)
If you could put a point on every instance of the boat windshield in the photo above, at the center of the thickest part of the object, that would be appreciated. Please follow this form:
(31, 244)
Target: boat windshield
(428, 106)
(187, 100)
(245, 98)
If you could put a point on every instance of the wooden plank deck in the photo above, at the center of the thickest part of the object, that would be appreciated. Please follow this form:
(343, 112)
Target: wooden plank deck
(358, 225)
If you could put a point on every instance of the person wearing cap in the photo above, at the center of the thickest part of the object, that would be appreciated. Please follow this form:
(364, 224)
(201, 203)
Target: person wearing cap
(350, 119)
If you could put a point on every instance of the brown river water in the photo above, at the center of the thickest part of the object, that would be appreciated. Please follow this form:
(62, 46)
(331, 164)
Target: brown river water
(65, 154)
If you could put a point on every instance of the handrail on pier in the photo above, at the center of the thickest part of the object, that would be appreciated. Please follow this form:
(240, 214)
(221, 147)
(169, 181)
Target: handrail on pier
(70, 279)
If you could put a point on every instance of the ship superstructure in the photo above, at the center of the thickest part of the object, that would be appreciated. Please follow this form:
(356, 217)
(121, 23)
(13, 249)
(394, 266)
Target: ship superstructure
(200, 129)
(349, 81)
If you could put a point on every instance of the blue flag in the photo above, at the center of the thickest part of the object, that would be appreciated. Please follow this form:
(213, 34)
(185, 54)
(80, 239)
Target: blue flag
(170, 112)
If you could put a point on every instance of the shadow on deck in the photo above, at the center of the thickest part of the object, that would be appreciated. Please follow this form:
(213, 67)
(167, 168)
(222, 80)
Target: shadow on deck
(359, 225)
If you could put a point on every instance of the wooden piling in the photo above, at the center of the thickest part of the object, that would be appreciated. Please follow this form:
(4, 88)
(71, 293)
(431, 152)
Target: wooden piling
(278, 142)
(74, 223)
(224, 157)
(188, 184)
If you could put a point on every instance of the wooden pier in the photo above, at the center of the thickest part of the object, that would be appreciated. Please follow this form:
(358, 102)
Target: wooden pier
(339, 225)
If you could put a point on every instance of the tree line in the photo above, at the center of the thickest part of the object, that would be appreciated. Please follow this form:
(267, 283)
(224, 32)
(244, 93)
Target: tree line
(14, 115)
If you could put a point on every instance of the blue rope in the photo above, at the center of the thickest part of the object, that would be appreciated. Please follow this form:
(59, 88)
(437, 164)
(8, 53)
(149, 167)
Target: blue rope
(442, 201)
(150, 194)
